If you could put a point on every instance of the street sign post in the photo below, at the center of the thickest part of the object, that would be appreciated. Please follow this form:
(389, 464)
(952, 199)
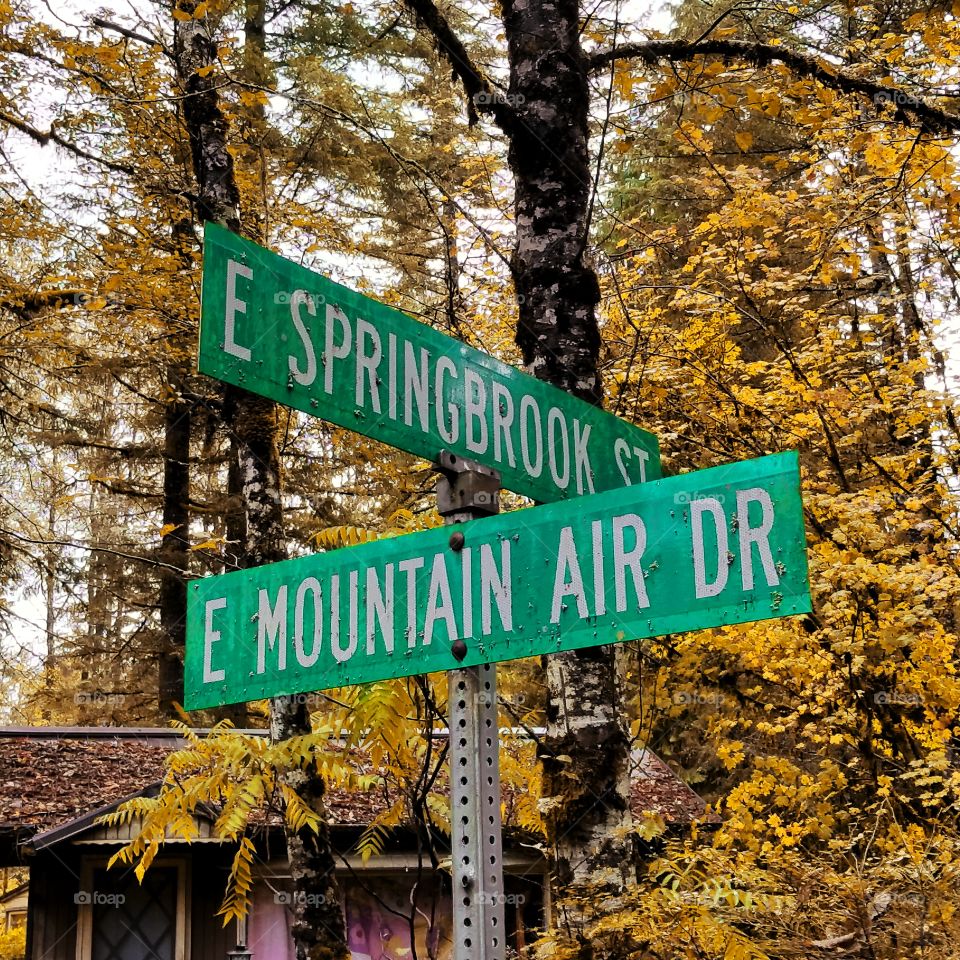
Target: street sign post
(282, 331)
(718, 546)
(467, 490)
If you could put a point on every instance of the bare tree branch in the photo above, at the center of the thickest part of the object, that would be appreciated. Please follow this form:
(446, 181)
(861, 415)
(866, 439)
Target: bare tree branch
(126, 32)
(13, 535)
(38, 136)
(908, 109)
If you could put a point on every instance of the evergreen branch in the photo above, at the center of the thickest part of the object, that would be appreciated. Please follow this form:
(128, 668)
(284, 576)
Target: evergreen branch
(29, 305)
(479, 91)
(909, 109)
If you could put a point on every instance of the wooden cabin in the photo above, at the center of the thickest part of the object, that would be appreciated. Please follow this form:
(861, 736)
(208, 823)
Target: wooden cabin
(55, 783)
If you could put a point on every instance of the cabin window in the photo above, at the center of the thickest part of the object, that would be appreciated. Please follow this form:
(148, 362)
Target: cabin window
(122, 919)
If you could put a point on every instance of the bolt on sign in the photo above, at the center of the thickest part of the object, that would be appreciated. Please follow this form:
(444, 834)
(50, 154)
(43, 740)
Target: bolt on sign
(718, 546)
(282, 331)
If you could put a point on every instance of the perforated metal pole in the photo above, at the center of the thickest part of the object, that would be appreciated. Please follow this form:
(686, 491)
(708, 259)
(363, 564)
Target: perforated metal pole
(467, 490)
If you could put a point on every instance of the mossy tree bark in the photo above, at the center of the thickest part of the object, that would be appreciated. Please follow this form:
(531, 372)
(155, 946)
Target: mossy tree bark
(318, 927)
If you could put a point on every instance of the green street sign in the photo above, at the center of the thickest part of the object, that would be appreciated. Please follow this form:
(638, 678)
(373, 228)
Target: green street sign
(289, 334)
(713, 547)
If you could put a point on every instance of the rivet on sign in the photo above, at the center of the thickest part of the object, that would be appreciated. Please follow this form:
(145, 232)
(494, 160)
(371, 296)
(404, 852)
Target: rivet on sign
(458, 648)
(457, 541)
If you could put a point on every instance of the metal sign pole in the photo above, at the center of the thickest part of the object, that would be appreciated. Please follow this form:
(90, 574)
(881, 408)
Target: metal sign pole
(467, 490)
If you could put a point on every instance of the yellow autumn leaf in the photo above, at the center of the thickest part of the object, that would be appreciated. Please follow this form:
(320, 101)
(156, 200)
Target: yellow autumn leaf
(168, 528)
(744, 140)
(771, 104)
(207, 545)
(251, 98)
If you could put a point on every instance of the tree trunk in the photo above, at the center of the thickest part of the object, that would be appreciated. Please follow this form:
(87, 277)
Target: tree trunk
(175, 543)
(586, 794)
(318, 927)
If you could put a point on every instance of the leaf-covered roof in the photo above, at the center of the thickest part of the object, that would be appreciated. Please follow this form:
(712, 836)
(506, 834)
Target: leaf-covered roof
(50, 777)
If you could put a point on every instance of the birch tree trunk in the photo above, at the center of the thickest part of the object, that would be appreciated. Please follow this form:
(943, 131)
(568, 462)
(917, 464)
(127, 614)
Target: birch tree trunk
(318, 927)
(585, 753)
(586, 793)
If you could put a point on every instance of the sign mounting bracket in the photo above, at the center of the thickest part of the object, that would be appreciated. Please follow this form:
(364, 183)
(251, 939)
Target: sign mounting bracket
(466, 490)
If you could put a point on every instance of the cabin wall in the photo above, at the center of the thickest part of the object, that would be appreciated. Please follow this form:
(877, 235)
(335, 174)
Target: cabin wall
(52, 909)
(209, 939)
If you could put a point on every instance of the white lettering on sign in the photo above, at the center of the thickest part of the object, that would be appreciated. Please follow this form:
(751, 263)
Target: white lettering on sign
(346, 624)
(559, 446)
(234, 305)
(367, 364)
(568, 580)
(354, 634)
(502, 422)
(400, 382)
(755, 535)
(380, 609)
(410, 567)
(713, 507)
(392, 374)
(622, 453)
(495, 585)
(439, 602)
(210, 637)
(415, 386)
(475, 405)
(625, 560)
(335, 647)
(305, 377)
(272, 628)
(466, 568)
(581, 458)
(308, 585)
(449, 431)
(532, 461)
(335, 317)
(599, 582)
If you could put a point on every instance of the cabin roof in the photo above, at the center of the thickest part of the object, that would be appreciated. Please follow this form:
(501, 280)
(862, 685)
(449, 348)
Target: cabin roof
(51, 777)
